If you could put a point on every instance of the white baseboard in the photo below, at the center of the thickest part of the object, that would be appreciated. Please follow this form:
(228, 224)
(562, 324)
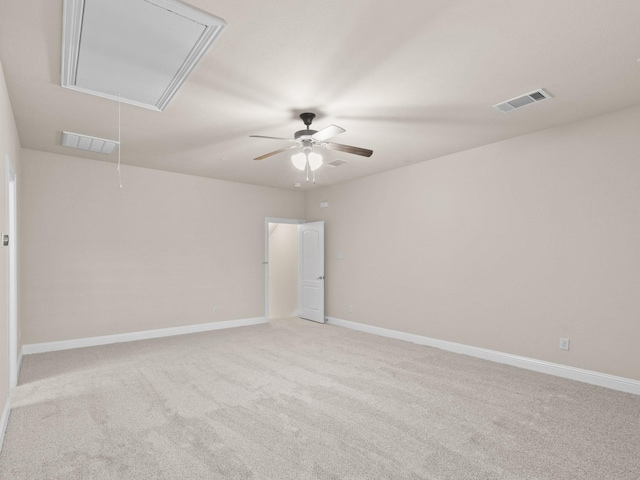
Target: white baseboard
(587, 376)
(4, 420)
(134, 336)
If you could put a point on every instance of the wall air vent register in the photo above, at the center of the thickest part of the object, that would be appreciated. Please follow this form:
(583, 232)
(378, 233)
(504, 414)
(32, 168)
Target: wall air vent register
(87, 142)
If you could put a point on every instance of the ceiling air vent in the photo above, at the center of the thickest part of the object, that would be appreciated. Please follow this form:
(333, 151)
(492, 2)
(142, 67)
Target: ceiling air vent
(522, 101)
(85, 142)
(336, 163)
(135, 51)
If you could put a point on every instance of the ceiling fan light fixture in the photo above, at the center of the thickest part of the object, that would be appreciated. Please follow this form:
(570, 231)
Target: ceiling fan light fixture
(315, 161)
(299, 161)
(302, 159)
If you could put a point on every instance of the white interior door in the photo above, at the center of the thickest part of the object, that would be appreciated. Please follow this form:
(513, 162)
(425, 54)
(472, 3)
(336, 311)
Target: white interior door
(311, 271)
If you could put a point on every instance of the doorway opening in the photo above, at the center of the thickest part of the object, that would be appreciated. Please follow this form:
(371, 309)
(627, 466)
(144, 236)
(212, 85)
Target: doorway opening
(294, 269)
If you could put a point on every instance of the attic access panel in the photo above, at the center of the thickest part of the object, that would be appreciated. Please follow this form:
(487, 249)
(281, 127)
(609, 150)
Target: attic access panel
(135, 51)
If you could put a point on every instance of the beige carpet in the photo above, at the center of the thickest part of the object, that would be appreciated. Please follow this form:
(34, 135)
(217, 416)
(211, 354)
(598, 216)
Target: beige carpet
(298, 400)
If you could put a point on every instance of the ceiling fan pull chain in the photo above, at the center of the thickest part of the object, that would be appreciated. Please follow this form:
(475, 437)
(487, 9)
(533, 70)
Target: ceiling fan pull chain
(307, 170)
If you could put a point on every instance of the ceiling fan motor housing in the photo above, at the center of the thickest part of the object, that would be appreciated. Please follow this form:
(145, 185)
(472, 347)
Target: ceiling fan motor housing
(301, 134)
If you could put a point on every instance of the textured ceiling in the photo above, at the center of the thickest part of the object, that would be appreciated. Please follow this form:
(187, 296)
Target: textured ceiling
(412, 80)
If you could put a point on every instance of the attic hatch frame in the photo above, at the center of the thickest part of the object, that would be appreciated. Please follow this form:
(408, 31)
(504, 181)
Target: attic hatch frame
(72, 24)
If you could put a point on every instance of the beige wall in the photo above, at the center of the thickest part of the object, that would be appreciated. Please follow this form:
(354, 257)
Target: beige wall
(507, 247)
(9, 145)
(283, 271)
(161, 252)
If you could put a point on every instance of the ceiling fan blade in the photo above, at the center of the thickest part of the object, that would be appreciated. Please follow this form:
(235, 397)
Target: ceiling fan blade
(275, 152)
(328, 132)
(348, 149)
(273, 138)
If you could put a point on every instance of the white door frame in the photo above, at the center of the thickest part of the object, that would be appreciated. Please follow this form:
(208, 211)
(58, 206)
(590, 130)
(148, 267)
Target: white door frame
(12, 277)
(267, 221)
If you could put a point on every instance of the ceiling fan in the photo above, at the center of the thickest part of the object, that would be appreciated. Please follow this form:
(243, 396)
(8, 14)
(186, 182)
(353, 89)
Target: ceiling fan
(308, 140)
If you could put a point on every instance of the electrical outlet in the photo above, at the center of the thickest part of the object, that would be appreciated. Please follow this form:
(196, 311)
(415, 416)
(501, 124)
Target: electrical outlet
(564, 344)
(215, 309)
(350, 308)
